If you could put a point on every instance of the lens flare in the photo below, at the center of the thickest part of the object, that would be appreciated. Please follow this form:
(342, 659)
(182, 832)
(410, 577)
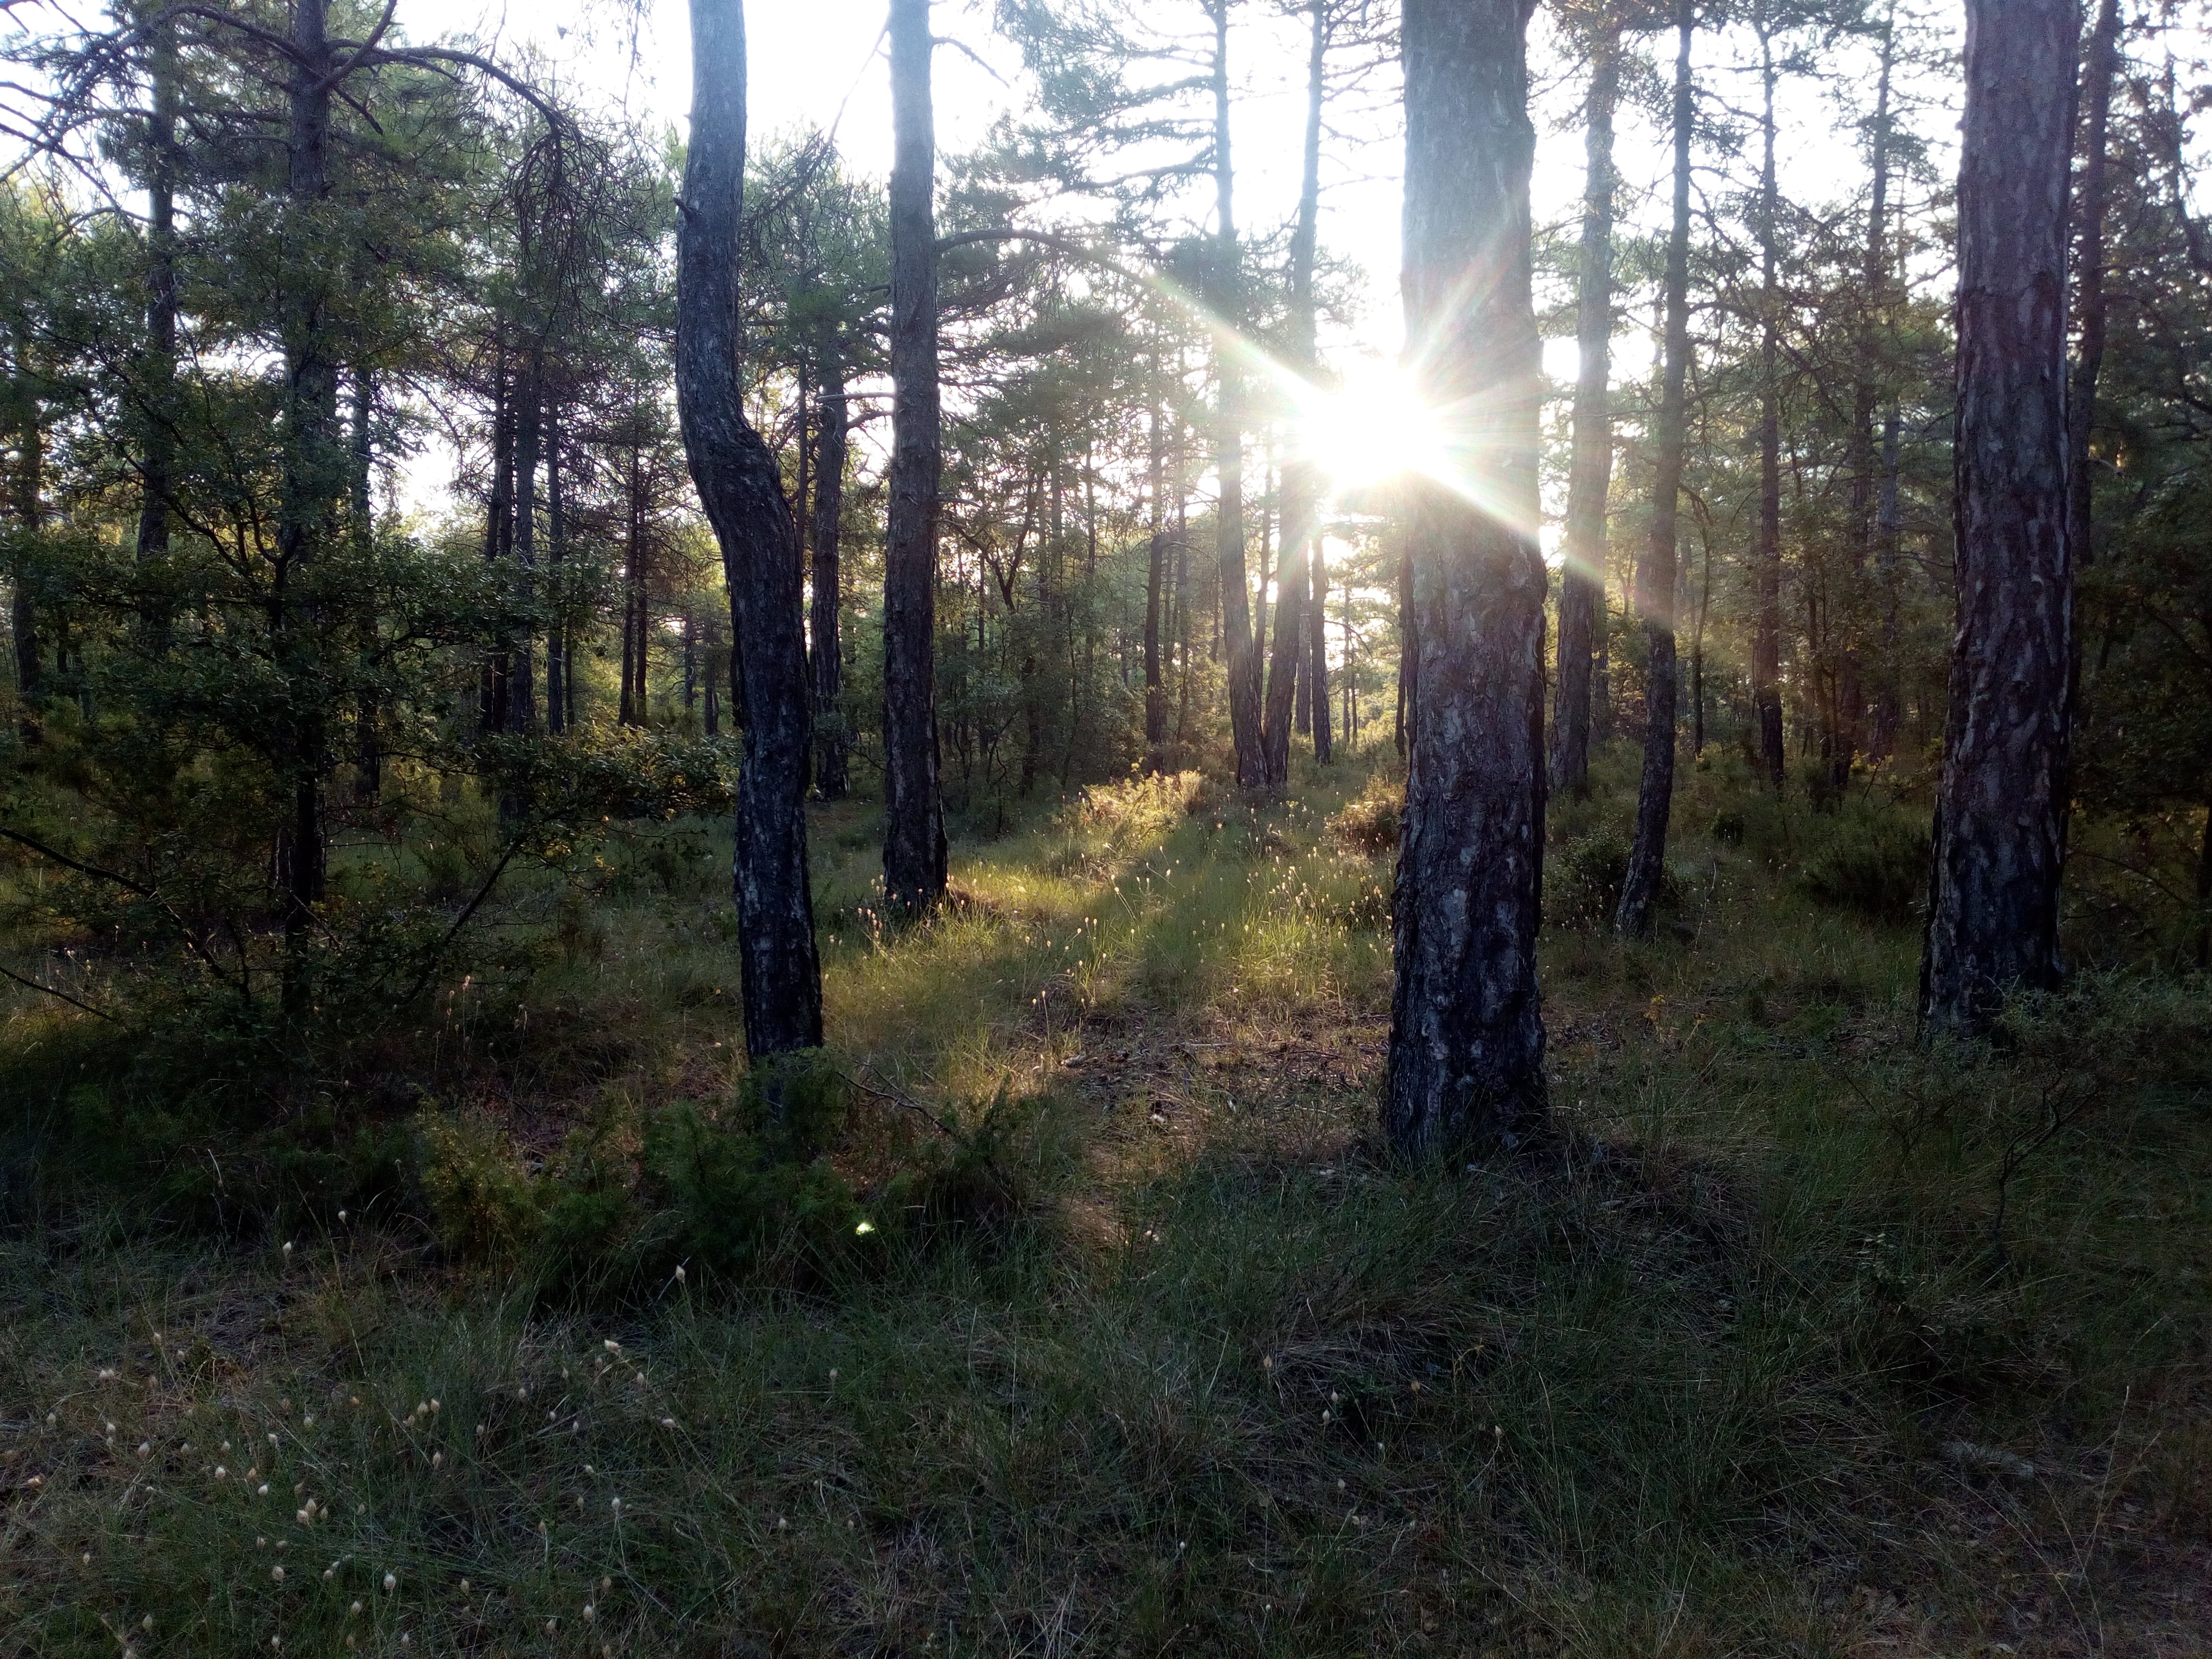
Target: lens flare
(1369, 427)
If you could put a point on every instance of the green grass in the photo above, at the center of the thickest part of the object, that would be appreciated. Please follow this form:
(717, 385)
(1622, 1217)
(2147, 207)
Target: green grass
(1742, 1366)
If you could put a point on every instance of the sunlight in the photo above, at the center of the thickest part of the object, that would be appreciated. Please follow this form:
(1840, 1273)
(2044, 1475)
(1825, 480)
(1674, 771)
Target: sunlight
(1371, 428)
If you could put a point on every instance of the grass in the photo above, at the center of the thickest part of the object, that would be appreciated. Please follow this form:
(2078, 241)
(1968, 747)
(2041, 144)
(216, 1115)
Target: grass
(1802, 1340)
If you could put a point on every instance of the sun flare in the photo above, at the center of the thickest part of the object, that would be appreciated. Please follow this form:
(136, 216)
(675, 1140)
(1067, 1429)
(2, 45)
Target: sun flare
(1369, 427)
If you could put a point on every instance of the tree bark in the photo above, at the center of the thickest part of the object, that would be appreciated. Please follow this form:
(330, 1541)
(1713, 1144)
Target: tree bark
(913, 813)
(368, 747)
(1466, 1033)
(522, 680)
(828, 661)
(559, 695)
(158, 392)
(1655, 577)
(1223, 281)
(1766, 566)
(28, 492)
(1317, 650)
(2001, 808)
(739, 486)
(1581, 586)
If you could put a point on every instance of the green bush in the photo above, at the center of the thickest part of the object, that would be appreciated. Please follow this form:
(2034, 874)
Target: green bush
(1872, 861)
(1583, 881)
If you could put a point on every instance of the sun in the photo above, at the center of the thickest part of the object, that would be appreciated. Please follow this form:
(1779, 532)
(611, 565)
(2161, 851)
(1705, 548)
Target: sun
(1371, 427)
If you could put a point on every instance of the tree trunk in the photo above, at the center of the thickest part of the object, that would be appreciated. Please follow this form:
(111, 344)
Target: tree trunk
(1581, 586)
(1466, 1032)
(739, 486)
(499, 533)
(313, 477)
(2001, 808)
(368, 748)
(28, 492)
(558, 668)
(828, 662)
(1155, 690)
(522, 687)
(1766, 568)
(2089, 276)
(1300, 489)
(1224, 280)
(631, 710)
(1317, 650)
(914, 813)
(1654, 583)
(158, 393)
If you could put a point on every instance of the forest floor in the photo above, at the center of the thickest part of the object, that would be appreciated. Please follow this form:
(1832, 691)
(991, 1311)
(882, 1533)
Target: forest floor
(1799, 1339)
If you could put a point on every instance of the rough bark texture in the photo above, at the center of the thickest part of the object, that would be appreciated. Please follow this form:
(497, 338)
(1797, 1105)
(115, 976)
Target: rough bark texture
(1466, 1033)
(2001, 808)
(828, 661)
(914, 811)
(1766, 567)
(739, 486)
(1589, 477)
(1244, 717)
(1655, 576)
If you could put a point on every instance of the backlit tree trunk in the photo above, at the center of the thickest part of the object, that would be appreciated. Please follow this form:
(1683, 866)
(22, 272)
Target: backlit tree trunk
(1590, 473)
(1766, 568)
(739, 486)
(828, 661)
(914, 813)
(1244, 713)
(1466, 1034)
(1654, 583)
(2001, 808)
(2081, 408)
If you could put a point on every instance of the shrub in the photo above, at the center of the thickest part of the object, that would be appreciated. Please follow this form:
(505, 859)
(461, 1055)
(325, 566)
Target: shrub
(1369, 823)
(1872, 861)
(1582, 887)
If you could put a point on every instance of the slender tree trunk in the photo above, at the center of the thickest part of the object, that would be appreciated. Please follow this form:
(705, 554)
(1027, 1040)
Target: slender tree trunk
(28, 492)
(499, 532)
(2089, 275)
(1582, 587)
(522, 687)
(1889, 698)
(739, 486)
(312, 479)
(368, 747)
(159, 372)
(828, 662)
(1655, 803)
(1155, 691)
(1698, 646)
(1317, 649)
(2001, 808)
(631, 711)
(914, 813)
(1850, 696)
(1766, 568)
(1467, 1030)
(1300, 490)
(1225, 282)
(558, 667)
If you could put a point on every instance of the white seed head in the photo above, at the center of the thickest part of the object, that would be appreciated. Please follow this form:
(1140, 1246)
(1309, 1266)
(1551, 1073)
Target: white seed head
(391, 1583)
(277, 1575)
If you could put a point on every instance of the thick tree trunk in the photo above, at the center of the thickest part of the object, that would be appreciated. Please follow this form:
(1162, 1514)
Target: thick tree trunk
(828, 661)
(1654, 583)
(914, 813)
(739, 488)
(2089, 275)
(1224, 282)
(1466, 1033)
(2001, 811)
(1589, 481)
(1766, 566)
